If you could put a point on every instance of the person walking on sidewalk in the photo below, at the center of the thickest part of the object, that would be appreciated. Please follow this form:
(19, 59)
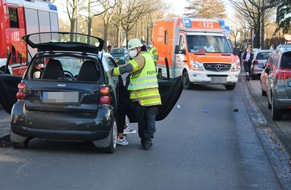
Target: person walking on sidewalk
(247, 60)
(143, 90)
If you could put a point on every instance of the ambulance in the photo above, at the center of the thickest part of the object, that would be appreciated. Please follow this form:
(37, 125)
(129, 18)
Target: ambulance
(18, 18)
(197, 50)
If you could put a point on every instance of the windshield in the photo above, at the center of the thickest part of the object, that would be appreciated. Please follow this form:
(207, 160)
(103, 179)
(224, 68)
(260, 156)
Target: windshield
(208, 43)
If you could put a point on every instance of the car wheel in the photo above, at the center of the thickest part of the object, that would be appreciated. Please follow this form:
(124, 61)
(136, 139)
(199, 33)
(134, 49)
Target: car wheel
(276, 113)
(113, 133)
(112, 139)
(253, 76)
(230, 86)
(186, 82)
(18, 141)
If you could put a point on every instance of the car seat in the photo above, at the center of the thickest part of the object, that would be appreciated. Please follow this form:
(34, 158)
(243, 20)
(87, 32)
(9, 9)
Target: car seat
(53, 70)
(89, 72)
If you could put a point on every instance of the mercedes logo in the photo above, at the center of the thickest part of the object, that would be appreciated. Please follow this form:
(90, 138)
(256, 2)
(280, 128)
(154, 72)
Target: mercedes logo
(218, 67)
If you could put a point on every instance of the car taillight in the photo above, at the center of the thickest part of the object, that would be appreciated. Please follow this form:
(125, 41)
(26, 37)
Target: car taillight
(283, 74)
(255, 62)
(105, 98)
(20, 95)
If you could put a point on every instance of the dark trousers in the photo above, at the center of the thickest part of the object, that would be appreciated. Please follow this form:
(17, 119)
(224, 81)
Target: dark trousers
(146, 118)
(247, 66)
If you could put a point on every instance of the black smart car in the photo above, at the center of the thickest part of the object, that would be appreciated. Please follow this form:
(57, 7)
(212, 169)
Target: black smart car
(68, 94)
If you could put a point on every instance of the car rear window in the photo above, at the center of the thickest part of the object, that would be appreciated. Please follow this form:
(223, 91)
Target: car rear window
(65, 69)
(263, 55)
(286, 60)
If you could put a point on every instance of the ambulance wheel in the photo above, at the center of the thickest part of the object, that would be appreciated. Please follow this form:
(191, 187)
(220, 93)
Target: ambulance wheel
(186, 82)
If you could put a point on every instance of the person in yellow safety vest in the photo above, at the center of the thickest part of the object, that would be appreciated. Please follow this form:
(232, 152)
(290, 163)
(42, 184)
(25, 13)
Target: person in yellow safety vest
(154, 53)
(143, 90)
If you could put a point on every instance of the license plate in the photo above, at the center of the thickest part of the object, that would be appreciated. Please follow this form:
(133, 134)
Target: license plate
(65, 97)
(218, 79)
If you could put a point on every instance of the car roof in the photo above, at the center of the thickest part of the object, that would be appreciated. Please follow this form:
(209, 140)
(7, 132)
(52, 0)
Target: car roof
(284, 47)
(64, 41)
(263, 50)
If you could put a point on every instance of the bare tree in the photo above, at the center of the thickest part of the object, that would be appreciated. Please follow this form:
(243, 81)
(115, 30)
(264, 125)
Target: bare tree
(104, 9)
(72, 9)
(255, 11)
(206, 9)
(134, 10)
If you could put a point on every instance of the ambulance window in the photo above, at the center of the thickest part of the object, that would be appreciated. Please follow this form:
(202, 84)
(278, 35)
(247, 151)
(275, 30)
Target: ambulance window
(13, 16)
(166, 37)
(181, 43)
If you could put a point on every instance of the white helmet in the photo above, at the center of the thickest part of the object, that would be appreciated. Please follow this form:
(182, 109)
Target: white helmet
(134, 43)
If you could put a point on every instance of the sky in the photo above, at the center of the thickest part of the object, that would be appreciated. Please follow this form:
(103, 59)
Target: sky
(177, 6)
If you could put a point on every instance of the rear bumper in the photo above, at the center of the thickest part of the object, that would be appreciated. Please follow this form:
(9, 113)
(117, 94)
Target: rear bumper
(62, 126)
(256, 70)
(283, 103)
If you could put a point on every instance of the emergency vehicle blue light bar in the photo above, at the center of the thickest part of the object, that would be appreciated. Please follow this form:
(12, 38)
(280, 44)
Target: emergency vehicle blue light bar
(222, 24)
(52, 7)
(187, 22)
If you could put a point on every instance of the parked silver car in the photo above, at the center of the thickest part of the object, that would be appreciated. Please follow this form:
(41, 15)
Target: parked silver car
(260, 58)
(278, 81)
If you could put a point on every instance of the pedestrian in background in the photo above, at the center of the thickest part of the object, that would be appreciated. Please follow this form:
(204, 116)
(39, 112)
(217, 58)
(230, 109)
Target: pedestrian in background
(143, 90)
(247, 60)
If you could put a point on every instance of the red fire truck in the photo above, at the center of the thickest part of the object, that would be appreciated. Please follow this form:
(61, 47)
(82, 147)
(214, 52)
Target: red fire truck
(17, 18)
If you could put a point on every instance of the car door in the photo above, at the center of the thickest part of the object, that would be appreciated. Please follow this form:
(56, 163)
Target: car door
(170, 91)
(8, 88)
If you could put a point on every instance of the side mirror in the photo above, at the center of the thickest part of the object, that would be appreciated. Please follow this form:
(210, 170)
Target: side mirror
(179, 51)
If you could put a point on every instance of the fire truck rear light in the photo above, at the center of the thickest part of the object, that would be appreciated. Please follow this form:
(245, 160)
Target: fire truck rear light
(20, 95)
(105, 100)
(21, 86)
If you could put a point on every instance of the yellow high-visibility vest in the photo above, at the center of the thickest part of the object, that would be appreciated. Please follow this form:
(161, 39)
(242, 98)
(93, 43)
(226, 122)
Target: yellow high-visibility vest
(143, 86)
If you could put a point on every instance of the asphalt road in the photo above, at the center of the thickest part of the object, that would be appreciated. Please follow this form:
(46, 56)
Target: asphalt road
(212, 139)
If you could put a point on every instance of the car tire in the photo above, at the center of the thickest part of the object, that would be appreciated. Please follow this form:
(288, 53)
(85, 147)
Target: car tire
(186, 82)
(113, 134)
(276, 113)
(18, 141)
(230, 86)
(252, 75)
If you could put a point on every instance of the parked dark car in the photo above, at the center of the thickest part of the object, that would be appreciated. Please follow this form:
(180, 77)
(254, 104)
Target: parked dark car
(120, 55)
(68, 94)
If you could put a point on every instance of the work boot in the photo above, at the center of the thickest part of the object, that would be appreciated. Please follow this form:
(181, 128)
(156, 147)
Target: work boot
(146, 144)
